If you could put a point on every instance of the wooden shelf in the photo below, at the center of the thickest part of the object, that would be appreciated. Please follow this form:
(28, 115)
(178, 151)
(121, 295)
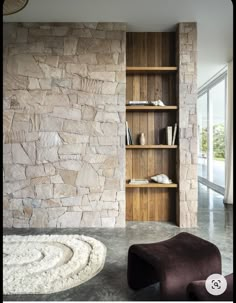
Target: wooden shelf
(150, 146)
(153, 185)
(150, 69)
(150, 108)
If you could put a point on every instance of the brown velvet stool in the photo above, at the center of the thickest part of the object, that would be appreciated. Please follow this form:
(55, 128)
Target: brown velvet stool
(174, 263)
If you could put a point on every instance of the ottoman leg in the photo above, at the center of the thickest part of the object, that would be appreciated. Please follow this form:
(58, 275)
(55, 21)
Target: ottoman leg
(140, 273)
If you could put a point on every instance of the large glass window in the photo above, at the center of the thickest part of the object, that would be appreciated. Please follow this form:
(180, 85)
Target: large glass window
(211, 134)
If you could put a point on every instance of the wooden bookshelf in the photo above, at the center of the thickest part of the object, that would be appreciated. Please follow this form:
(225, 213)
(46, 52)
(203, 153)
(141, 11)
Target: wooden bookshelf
(151, 75)
(151, 146)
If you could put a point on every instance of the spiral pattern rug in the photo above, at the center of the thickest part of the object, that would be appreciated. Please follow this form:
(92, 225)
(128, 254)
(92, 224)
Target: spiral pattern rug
(46, 264)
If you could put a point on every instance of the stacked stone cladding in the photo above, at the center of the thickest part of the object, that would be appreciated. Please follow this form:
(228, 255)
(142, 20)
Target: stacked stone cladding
(63, 125)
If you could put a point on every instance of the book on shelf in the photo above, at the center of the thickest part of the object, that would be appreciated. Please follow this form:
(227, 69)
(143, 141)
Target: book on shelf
(174, 134)
(128, 136)
(138, 181)
(127, 133)
(133, 102)
(169, 135)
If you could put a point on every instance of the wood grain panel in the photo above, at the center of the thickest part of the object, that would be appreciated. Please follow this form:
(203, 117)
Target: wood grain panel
(151, 50)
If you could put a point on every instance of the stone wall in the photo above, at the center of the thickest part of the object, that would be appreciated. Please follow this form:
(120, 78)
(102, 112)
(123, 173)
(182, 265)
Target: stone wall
(64, 114)
(186, 55)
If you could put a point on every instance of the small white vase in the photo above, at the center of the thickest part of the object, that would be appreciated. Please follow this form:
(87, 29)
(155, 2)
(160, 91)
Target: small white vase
(142, 139)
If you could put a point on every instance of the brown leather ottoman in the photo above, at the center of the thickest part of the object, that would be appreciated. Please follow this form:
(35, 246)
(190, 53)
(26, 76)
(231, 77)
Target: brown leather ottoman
(196, 291)
(174, 263)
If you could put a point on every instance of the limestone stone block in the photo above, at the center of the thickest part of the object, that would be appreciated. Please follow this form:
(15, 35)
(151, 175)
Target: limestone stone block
(106, 59)
(56, 179)
(73, 138)
(192, 171)
(48, 139)
(108, 195)
(47, 154)
(116, 46)
(19, 155)
(52, 61)
(70, 45)
(25, 65)
(87, 58)
(64, 190)
(39, 218)
(56, 100)
(108, 172)
(49, 169)
(104, 76)
(121, 89)
(44, 191)
(52, 124)
(109, 140)
(27, 192)
(82, 32)
(67, 113)
(110, 205)
(105, 26)
(7, 120)
(68, 149)
(87, 176)
(50, 72)
(121, 77)
(107, 117)
(111, 162)
(14, 172)
(71, 201)
(30, 149)
(33, 83)
(16, 204)
(109, 88)
(91, 86)
(60, 30)
(10, 187)
(12, 81)
(90, 219)
(115, 34)
(74, 165)
(99, 46)
(55, 212)
(79, 127)
(40, 180)
(69, 219)
(55, 203)
(79, 69)
(108, 222)
(45, 83)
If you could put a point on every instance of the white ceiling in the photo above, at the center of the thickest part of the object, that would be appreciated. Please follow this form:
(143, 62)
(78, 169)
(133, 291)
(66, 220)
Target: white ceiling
(214, 19)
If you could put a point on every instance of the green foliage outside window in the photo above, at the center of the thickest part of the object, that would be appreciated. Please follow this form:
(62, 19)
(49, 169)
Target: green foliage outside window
(218, 141)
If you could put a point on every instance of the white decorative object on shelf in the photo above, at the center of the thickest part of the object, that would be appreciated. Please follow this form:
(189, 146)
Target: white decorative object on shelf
(138, 181)
(157, 103)
(162, 178)
(169, 135)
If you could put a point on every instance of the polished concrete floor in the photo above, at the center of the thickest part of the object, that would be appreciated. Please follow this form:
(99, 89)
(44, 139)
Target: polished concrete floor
(215, 224)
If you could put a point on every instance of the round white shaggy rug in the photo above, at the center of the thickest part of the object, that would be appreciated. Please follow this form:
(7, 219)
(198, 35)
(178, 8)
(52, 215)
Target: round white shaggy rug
(46, 264)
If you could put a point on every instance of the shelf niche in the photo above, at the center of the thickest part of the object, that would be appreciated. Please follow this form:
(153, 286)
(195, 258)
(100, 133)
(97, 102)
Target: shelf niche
(151, 75)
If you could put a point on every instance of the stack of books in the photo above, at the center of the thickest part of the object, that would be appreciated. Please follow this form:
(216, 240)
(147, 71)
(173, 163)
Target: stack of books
(128, 137)
(138, 181)
(171, 135)
(138, 103)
